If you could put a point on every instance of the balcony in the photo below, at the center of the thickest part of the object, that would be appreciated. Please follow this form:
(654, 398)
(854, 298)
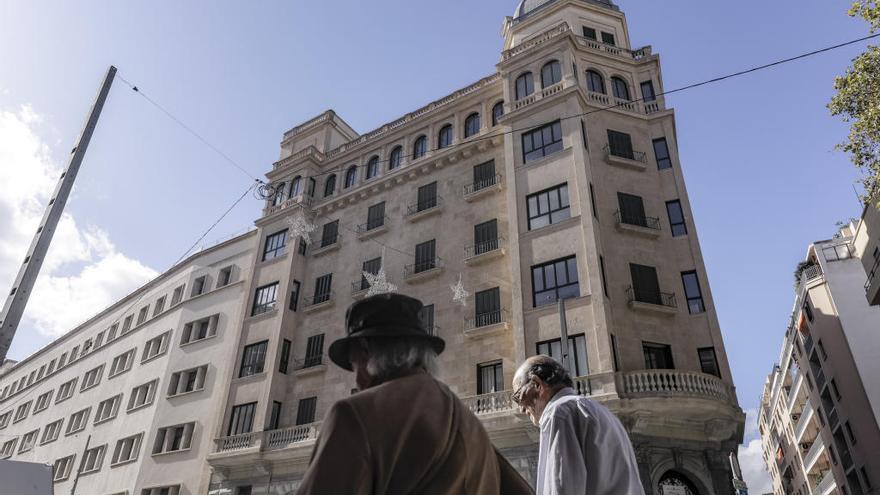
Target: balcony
(238, 442)
(327, 244)
(636, 224)
(487, 323)
(423, 269)
(482, 187)
(425, 208)
(318, 301)
(359, 287)
(672, 383)
(628, 158)
(649, 301)
(373, 227)
(293, 436)
(484, 251)
(309, 365)
(602, 100)
(805, 423)
(827, 485)
(811, 458)
(302, 200)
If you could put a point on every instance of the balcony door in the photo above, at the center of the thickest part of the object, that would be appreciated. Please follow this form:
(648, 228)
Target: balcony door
(632, 209)
(486, 237)
(488, 307)
(484, 175)
(370, 266)
(646, 287)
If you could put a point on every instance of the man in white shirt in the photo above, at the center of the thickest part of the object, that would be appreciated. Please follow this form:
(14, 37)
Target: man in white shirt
(584, 448)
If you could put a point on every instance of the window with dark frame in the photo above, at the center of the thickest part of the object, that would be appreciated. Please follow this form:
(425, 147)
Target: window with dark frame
(396, 158)
(676, 218)
(497, 113)
(607, 38)
(524, 85)
(555, 280)
(484, 175)
(330, 185)
(420, 147)
(351, 176)
(593, 202)
(548, 207)
(490, 378)
(444, 137)
(274, 246)
(253, 359)
(542, 142)
(241, 420)
(693, 293)
(577, 353)
(487, 310)
(589, 33)
(632, 210)
(294, 295)
(301, 247)
(614, 352)
(472, 125)
(322, 288)
(330, 233)
(369, 266)
(620, 89)
(645, 285)
(373, 167)
(657, 356)
(275, 417)
(709, 361)
(305, 412)
(314, 351)
(808, 309)
(661, 153)
(595, 82)
(426, 256)
(648, 93)
(264, 299)
(604, 279)
(620, 144)
(376, 216)
(485, 237)
(551, 73)
(426, 316)
(426, 197)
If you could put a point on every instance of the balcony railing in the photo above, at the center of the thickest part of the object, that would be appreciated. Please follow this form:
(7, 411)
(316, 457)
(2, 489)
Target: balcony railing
(303, 199)
(371, 225)
(486, 319)
(422, 266)
(803, 422)
(812, 455)
(329, 240)
(650, 297)
(826, 485)
(318, 298)
(479, 185)
(286, 437)
(672, 383)
(483, 247)
(424, 205)
(637, 220)
(308, 362)
(237, 442)
(628, 154)
(490, 403)
(360, 285)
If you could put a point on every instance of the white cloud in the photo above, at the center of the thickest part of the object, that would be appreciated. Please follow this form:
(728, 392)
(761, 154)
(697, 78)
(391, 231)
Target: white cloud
(751, 457)
(83, 272)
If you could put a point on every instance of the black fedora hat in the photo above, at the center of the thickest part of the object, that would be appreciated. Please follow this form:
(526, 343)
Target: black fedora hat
(382, 316)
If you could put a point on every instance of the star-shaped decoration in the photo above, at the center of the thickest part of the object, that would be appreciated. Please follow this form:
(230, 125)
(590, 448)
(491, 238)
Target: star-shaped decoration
(459, 293)
(300, 227)
(379, 283)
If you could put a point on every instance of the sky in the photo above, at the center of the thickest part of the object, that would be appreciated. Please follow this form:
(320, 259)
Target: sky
(758, 152)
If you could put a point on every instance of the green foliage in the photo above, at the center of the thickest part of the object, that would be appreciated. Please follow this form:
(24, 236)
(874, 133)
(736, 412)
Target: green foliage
(803, 265)
(857, 102)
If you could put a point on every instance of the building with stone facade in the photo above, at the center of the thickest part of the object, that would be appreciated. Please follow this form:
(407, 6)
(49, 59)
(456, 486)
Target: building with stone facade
(557, 178)
(818, 418)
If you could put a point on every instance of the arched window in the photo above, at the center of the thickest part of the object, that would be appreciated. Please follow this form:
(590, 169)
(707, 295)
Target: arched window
(472, 125)
(351, 176)
(373, 167)
(677, 482)
(420, 147)
(620, 89)
(311, 190)
(525, 85)
(551, 73)
(279, 194)
(497, 113)
(595, 82)
(395, 158)
(330, 186)
(295, 187)
(444, 138)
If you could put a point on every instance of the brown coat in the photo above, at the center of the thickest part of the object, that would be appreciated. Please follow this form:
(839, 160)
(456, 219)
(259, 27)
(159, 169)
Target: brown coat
(410, 435)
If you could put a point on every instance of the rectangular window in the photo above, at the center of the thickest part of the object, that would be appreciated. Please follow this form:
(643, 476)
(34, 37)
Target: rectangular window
(657, 356)
(708, 361)
(294, 295)
(593, 202)
(177, 295)
(4, 419)
(426, 256)
(305, 412)
(607, 38)
(264, 299)
(224, 278)
(648, 91)
(849, 433)
(127, 449)
(43, 401)
(92, 459)
(484, 175)
(51, 432)
(274, 246)
(578, 364)
(275, 417)
(92, 378)
(835, 390)
(427, 197)
(285, 357)
(369, 266)
(426, 316)
(645, 286)
(186, 381)
(808, 310)
(542, 141)
(200, 329)
(330, 233)
(620, 144)
(589, 33)
(487, 310)
(555, 280)
(107, 409)
(8, 448)
(142, 395)
(322, 288)
(142, 317)
(632, 210)
(661, 153)
(819, 345)
(122, 363)
(65, 390)
(155, 347)
(162, 490)
(375, 216)
(302, 247)
(78, 421)
(615, 353)
(676, 218)
(126, 327)
(584, 131)
(604, 278)
(158, 308)
(62, 468)
(548, 206)
(28, 440)
(22, 412)
(693, 293)
(490, 378)
(199, 286)
(314, 351)
(173, 438)
(241, 420)
(253, 358)
(485, 237)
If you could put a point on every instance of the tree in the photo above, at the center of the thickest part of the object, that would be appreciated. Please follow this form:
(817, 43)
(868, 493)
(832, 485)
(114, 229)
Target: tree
(858, 102)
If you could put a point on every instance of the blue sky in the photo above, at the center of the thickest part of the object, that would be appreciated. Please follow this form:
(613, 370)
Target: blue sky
(757, 152)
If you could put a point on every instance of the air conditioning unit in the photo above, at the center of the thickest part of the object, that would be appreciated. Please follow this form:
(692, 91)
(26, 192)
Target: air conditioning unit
(806, 446)
(795, 416)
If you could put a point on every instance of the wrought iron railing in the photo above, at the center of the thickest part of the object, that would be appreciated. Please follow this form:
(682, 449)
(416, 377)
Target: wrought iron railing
(372, 224)
(651, 297)
(422, 266)
(360, 285)
(637, 220)
(424, 205)
(627, 153)
(486, 319)
(329, 240)
(484, 247)
(318, 298)
(479, 185)
(308, 362)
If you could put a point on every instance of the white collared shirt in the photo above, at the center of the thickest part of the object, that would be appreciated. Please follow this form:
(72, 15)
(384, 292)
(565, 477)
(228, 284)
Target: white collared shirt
(584, 450)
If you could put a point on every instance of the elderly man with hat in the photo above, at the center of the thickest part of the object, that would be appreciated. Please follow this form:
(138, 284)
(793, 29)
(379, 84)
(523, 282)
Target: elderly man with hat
(405, 432)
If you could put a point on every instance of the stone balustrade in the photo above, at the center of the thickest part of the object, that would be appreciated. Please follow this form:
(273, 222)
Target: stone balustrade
(286, 437)
(672, 383)
(237, 442)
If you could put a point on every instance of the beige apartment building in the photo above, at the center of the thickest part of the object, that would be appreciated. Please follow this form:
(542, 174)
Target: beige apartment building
(557, 178)
(818, 418)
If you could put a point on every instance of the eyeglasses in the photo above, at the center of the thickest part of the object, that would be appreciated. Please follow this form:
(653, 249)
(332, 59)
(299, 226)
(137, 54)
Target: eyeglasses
(517, 395)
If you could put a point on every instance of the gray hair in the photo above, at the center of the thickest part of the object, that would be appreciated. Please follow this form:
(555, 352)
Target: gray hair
(388, 357)
(547, 369)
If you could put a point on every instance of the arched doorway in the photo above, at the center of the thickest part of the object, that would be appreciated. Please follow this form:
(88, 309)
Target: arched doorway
(675, 483)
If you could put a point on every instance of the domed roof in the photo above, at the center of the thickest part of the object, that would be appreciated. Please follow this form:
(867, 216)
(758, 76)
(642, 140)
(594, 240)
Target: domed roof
(528, 6)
